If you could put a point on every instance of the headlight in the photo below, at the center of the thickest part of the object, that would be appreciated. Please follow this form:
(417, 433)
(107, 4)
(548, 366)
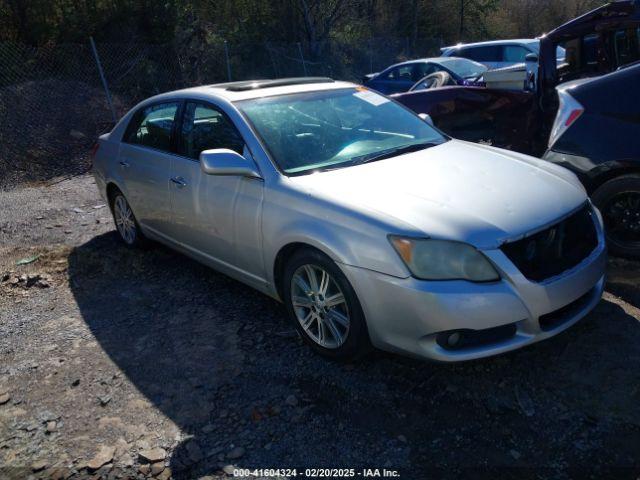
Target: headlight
(443, 260)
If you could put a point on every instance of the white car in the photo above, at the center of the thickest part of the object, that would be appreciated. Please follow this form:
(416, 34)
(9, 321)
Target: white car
(499, 53)
(371, 226)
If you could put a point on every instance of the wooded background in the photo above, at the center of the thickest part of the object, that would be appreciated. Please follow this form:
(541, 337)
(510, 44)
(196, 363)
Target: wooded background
(313, 23)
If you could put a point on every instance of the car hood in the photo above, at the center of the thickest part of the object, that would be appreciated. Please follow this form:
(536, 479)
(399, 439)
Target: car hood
(458, 190)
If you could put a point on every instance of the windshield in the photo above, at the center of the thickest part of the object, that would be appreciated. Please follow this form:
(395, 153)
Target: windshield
(464, 68)
(336, 128)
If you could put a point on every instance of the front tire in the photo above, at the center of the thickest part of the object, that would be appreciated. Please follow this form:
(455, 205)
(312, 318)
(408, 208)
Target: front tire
(619, 202)
(323, 306)
(126, 223)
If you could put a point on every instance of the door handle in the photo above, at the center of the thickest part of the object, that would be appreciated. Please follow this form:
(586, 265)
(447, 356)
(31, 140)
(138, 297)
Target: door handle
(179, 181)
(124, 164)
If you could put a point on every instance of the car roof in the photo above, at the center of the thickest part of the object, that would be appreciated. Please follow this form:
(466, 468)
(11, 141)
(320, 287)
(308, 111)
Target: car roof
(249, 89)
(519, 41)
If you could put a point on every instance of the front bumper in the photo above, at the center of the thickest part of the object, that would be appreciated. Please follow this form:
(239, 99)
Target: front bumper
(405, 315)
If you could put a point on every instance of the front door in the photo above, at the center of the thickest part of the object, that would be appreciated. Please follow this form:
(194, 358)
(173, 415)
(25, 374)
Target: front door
(215, 217)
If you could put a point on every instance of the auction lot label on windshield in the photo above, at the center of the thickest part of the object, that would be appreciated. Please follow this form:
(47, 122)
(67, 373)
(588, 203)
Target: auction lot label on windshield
(332, 473)
(371, 97)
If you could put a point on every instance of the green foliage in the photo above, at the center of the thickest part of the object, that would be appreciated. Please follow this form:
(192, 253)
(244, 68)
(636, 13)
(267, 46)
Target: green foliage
(311, 22)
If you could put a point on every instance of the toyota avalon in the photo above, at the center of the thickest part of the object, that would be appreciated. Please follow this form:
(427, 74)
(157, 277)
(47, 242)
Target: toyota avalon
(371, 226)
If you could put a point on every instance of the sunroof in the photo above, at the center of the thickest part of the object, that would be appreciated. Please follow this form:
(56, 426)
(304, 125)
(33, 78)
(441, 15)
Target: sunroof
(281, 82)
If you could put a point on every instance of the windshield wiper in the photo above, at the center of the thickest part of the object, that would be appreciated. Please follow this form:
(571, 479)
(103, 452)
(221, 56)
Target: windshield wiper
(394, 152)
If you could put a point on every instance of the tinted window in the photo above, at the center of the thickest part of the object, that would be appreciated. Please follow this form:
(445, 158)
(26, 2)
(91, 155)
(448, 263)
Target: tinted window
(626, 46)
(491, 53)
(152, 126)
(403, 72)
(421, 70)
(515, 53)
(205, 128)
(581, 58)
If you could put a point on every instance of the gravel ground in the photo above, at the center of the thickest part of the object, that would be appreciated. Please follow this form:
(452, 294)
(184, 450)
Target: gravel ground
(128, 364)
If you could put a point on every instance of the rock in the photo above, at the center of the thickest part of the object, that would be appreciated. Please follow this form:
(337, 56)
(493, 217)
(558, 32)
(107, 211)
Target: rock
(157, 468)
(208, 428)
(228, 469)
(52, 426)
(4, 398)
(46, 416)
(104, 456)
(515, 454)
(98, 207)
(104, 400)
(38, 465)
(237, 452)
(291, 400)
(165, 475)
(402, 438)
(194, 452)
(78, 135)
(525, 402)
(126, 460)
(153, 455)
(144, 469)
(75, 383)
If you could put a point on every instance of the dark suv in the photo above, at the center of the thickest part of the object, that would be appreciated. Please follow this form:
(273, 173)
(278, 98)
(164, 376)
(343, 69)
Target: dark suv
(597, 135)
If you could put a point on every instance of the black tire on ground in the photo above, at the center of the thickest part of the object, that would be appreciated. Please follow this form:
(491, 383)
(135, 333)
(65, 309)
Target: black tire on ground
(137, 240)
(434, 80)
(604, 198)
(357, 343)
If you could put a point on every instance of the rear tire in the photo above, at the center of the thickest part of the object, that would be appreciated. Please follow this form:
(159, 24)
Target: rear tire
(619, 202)
(323, 306)
(126, 223)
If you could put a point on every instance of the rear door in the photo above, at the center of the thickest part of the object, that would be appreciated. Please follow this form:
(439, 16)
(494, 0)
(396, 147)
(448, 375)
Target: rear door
(215, 217)
(145, 164)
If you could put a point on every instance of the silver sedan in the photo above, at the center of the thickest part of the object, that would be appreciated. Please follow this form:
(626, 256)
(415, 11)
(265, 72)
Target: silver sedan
(370, 225)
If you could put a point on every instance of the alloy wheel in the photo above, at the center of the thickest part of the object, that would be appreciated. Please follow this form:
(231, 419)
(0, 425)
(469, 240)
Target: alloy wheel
(622, 218)
(320, 306)
(125, 222)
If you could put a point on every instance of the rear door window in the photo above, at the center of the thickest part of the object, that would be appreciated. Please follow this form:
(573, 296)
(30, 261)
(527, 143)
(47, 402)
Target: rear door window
(205, 127)
(487, 53)
(152, 126)
(403, 72)
(515, 53)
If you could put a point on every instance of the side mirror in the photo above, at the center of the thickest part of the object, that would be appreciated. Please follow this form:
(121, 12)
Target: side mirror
(427, 118)
(531, 58)
(222, 161)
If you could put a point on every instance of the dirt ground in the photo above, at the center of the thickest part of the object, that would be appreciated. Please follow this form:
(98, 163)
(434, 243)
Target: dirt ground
(129, 364)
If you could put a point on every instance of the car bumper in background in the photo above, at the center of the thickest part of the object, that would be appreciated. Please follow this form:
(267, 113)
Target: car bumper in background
(415, 317)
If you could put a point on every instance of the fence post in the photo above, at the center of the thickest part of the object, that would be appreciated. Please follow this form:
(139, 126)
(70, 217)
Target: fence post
(370, 56)
(104, 80)
(304, 65)
(226, 54)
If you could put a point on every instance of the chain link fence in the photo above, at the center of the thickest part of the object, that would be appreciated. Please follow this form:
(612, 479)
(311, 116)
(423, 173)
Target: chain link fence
(54, 102)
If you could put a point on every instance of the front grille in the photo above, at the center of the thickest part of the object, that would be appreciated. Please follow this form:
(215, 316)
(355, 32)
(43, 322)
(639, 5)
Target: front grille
(556, 249)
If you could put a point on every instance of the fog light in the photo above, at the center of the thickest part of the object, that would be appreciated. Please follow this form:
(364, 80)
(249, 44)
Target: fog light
(454, 339)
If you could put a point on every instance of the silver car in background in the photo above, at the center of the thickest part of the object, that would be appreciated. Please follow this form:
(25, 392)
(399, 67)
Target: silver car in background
(372, 227)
